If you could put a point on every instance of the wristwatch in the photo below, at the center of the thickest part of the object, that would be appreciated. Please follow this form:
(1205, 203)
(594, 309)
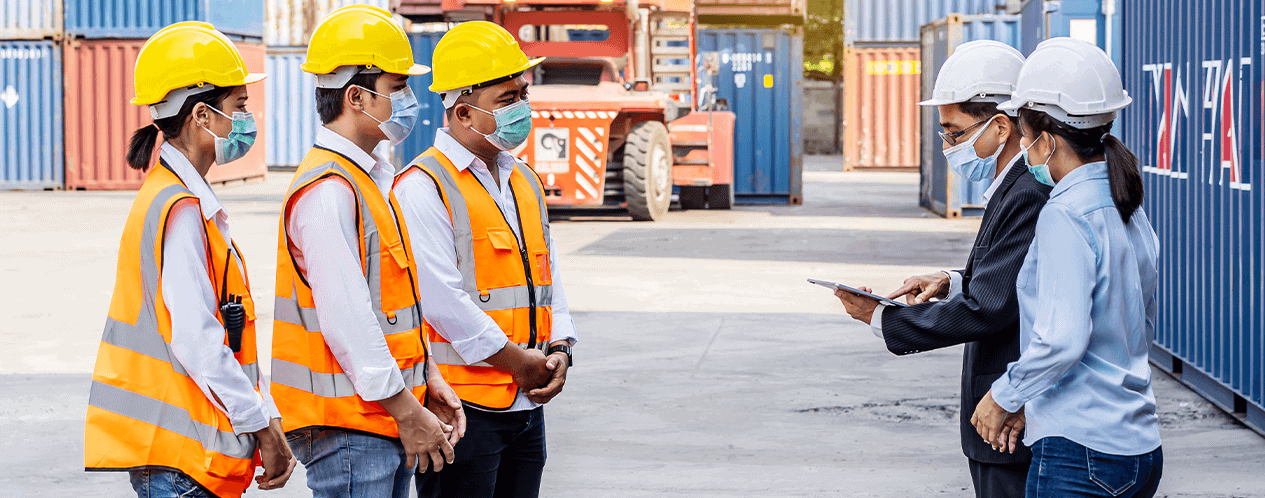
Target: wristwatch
(561, 348)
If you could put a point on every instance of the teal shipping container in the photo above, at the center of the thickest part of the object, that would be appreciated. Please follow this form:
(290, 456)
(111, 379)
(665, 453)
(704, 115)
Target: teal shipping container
(1196, 72)
(32, 150)
(761, 77)
(941, 190)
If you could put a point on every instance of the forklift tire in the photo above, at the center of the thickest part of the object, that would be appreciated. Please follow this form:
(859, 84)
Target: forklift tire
(693, 197)
(648, 171)
(720, 197)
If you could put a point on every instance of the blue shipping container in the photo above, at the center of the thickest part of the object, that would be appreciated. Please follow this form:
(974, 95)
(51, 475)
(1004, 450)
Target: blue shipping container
(888, 22)
(942, 190)
(1081, 19)
(291, 102)
(32, 155)
(761, 76)
(143, 18)
(1196, 72)
(431, 115)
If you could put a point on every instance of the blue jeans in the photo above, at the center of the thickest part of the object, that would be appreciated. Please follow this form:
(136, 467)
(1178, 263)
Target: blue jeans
(347, 464)
(1062, 467)
(166, 483)
(501, 456)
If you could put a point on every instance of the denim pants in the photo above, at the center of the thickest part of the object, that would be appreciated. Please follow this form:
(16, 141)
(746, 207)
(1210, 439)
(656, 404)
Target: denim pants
(347, 464)
(501, 456)
(153, 482)
(1062, 467)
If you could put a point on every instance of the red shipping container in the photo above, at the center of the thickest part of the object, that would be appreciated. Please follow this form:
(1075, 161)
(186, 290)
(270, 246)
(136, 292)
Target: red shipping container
(100, 117)
(880, 107)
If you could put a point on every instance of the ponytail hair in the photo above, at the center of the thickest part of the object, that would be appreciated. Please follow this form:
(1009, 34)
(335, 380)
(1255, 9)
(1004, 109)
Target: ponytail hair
(141, 148)
(1091, 144)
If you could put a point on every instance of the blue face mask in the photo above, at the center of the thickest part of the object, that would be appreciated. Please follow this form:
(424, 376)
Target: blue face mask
(964, 161)
(513, 125)
(1041, 171)
(239, 139)
(404, 111)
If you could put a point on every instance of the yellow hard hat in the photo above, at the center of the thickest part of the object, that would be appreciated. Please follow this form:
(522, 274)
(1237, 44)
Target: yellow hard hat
(183, 55)
(477, 52)
(360, 35)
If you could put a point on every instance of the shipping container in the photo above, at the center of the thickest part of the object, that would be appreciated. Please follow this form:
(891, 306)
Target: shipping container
(291, 22)
(757, 11)
(30, 19)
(888, 22)
(141, 19)
(1095, 21)
(431, 112)
(100, 118)
(880, 107)
(31, 155)
(292, 107)
(761, 77)
(1196, 72)
(942, 190)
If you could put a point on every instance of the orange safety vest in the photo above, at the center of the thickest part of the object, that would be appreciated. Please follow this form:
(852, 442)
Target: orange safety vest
(507, 280)
(308, 384)
(143, 409)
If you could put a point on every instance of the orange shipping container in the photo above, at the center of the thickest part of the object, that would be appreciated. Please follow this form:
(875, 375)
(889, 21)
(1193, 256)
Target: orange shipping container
(100, 117)
(880, 107)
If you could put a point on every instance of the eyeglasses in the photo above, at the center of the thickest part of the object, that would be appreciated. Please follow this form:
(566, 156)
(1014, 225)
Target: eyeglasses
(952, 138)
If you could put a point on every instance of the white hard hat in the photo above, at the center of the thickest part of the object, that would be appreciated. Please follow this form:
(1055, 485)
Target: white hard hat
(978, 71)
(1072, 81)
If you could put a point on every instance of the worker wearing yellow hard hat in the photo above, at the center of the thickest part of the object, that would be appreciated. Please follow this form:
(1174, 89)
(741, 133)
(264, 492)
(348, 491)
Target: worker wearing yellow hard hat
(350, 369)
(176, 397)
(496, 314)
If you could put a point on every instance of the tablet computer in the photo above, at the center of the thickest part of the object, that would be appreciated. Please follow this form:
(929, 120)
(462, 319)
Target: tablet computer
(858, 292)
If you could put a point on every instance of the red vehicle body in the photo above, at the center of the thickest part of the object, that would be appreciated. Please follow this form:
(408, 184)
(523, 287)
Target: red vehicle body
(615, 105)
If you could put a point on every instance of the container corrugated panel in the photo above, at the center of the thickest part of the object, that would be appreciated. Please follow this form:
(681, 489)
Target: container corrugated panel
(880, 107)
(291, 22)
(31, 155)
(143, 18)
(761, 76)
(782, 8)
(30, 19)
(941, 190)
(1197, 123)
(1083, 19)
(100, 118)
(431, 114)
(897, 21)
(292, 107)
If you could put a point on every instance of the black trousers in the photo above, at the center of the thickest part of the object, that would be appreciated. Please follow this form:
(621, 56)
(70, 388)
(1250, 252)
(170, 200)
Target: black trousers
(502, 456)
(998, 480)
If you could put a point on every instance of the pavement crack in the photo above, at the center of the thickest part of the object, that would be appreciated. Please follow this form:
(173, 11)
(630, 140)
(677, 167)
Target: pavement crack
(720, 326)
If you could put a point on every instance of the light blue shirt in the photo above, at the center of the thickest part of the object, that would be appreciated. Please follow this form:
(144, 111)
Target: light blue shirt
(1087, 302)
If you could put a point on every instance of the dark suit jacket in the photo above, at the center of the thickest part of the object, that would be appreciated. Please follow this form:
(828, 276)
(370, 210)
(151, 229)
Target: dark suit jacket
(985, 316)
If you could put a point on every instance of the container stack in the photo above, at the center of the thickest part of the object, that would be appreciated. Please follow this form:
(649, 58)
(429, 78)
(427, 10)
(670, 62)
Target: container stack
(882, 64)
(102, 39)
(31, 154)
(941, 190)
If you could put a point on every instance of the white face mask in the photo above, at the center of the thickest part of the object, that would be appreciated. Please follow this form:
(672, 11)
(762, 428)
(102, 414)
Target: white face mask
(404, 111)
(964, 160)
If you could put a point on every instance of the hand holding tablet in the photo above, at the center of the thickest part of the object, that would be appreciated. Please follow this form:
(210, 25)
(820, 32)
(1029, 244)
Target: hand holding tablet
(858, 292)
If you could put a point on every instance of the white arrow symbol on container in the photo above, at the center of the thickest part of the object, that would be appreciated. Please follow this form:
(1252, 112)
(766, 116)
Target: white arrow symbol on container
(10, 97)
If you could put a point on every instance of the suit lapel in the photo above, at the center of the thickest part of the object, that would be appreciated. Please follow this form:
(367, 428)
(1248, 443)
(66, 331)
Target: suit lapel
(990, 212)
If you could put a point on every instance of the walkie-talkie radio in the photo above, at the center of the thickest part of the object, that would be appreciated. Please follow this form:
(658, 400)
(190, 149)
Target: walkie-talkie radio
(232, 311)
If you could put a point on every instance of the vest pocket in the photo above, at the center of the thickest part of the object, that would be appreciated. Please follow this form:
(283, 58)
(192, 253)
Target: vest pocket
(501, 239)
(396, 248)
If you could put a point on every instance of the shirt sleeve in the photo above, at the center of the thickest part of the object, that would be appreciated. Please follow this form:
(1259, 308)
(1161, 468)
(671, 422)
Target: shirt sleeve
(197, 336)
(955, 284)
(322, 225)
(1065, 274)
(563, 324)
(473, 334)
(876, 321)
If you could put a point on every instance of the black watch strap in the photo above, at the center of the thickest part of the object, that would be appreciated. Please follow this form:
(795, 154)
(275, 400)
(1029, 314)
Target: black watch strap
(563, 349)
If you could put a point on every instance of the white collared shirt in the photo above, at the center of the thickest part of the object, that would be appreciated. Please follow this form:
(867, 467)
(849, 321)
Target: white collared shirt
(197, 336)
(325, 241)
(448, 307)
(992, 189)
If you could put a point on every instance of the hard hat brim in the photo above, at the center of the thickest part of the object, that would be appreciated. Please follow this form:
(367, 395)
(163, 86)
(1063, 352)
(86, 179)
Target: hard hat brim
(254, 78)
(418, 70)
(935, 102)
(530, 64)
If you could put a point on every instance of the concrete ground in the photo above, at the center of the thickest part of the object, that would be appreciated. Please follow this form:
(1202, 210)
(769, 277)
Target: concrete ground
(706, 365)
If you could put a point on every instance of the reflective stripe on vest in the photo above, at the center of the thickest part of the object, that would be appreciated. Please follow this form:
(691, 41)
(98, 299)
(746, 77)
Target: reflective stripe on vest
(333, 385)
(170, 417)
(134, 339)
(444, 354)
(463, 235)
